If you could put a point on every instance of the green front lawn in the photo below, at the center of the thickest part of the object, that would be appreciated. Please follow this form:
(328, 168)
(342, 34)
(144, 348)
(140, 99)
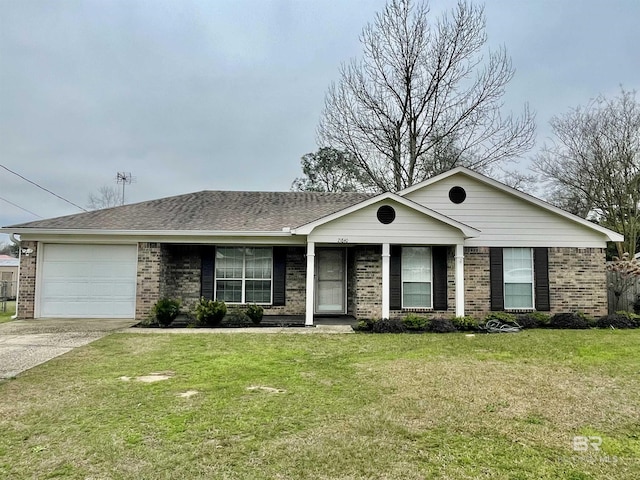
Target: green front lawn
(330, 407)
(9, 312)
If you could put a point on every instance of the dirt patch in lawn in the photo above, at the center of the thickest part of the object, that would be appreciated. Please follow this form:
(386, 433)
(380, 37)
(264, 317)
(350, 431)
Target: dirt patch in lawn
(150, 378)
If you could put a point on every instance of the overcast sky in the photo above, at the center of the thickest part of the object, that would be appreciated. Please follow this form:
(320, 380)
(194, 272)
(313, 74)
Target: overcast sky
(226, 94)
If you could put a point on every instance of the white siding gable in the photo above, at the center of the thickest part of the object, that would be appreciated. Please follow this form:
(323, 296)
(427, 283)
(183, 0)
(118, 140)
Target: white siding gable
(409, 227)
(504, 219)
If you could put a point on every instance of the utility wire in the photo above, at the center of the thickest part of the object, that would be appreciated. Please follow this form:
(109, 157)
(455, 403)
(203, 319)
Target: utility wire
(18, 206)
(42, 188)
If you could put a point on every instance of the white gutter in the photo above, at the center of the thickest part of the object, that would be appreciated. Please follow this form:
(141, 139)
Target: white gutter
(168, 233)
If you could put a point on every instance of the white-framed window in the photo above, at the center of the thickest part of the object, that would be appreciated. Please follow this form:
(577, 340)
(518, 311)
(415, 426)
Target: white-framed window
(244, 274)
(417, 277)
(518, 278)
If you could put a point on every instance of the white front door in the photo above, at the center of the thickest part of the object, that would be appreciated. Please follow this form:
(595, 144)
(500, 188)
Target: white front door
(330, 281)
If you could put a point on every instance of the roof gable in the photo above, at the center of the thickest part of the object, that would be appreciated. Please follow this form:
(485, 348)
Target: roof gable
(466, 230)
(505, 200)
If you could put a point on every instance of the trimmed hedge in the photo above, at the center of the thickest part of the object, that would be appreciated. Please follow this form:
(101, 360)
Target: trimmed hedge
(574, 320)
(620, 320)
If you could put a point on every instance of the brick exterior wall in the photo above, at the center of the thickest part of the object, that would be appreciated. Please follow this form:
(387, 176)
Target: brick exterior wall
(578, 280)
(181, 274)
(149, 283)
(295, 284)
(451, 294)
(182, 270)
(367, 295)
(27, 287)
(477, 300)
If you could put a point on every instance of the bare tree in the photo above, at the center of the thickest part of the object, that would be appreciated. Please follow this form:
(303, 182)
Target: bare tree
(105, 198)
(425, 98)
(329, 170)
(593, 165)
(11, 249)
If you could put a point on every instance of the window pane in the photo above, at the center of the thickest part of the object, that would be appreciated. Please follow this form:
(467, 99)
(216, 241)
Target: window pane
(416, 295)
(518, 278)
(258, 291)
(229, 262)
(229, 291)
(518, 295)
(258, 263)
(416, 264)
(518, 266)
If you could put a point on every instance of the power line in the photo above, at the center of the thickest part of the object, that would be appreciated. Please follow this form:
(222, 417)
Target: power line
(18, 206)
(42, 188)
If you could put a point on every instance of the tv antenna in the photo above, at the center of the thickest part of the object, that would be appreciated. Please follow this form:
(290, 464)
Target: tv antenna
(124, 178)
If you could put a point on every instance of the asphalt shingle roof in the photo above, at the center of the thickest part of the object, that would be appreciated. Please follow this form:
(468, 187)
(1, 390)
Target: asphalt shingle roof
(211, 210)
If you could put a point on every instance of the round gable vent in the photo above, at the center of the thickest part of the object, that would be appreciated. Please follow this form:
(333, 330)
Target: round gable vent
(457, 194)
(386, 214)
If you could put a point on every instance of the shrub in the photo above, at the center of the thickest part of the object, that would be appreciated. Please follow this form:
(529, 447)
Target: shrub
(618, 320)
(466, 324)
(388, 325)
(255, 313)
(415, 323)
(636, 306)
(503, 317)
(441, 325)
(237, 317)
(365, 325)
(533, 320)
(569, 320)
(166, 310)
(209, 312)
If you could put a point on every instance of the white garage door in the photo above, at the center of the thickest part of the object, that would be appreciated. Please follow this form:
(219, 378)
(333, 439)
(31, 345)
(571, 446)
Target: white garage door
(92, 281)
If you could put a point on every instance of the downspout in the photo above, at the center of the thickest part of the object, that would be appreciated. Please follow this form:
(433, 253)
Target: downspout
(17, 242)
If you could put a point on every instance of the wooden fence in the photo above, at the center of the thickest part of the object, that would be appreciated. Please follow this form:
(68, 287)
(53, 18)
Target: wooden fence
(627, 300)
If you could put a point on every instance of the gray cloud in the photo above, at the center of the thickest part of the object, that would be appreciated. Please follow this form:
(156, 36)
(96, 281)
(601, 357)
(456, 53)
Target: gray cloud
(192, 95)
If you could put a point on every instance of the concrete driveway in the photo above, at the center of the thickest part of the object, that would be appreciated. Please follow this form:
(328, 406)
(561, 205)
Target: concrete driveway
(27, 343)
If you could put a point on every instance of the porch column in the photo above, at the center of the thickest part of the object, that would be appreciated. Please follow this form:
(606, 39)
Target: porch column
(311, 270)
(386, 279)
(459, 277)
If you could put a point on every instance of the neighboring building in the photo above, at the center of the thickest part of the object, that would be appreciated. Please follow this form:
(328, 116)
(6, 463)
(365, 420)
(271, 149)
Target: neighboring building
(457, 244)
(8, 276)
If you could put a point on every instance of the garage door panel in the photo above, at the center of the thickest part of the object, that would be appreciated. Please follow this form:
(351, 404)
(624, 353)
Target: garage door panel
(93, 281)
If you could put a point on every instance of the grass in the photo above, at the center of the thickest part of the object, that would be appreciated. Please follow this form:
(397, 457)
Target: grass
(336, 407)
(9, 312)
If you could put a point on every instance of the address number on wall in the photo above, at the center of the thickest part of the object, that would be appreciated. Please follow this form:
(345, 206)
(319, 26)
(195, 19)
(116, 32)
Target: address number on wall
(343, 240)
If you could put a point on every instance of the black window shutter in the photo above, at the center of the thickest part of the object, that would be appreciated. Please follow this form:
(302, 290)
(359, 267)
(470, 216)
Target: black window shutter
(279, 275)
(439, 278)
(541, 278)
(207, 271)
(496, 276)
(395, 280)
